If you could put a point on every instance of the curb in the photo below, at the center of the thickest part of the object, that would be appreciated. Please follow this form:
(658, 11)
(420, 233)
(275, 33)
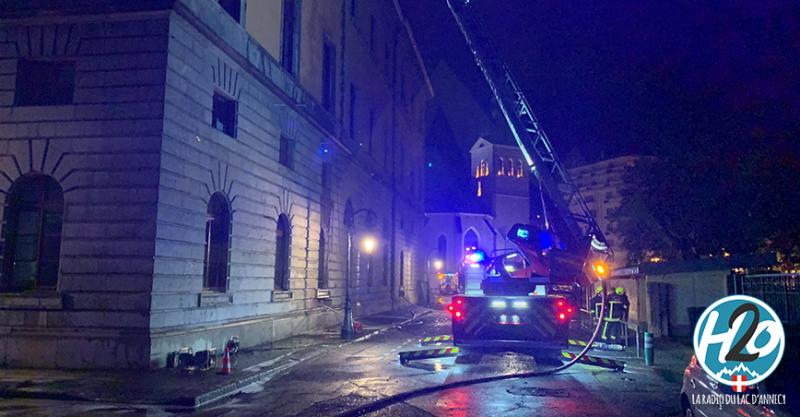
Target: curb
(214, 395)
(235, 387)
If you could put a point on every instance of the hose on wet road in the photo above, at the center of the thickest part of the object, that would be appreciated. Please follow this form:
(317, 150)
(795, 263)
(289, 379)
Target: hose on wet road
(404, 396)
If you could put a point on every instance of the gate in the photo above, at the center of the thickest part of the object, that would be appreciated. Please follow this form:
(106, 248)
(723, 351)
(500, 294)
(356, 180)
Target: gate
(780, 291)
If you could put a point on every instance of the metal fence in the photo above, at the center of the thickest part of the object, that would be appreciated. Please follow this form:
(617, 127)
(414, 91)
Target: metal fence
(780, 291)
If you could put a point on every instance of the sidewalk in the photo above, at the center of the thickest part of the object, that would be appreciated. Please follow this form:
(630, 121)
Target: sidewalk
(670, 356)
(181, 389)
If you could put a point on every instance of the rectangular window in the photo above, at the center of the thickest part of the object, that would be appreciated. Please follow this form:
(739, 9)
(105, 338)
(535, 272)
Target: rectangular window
(328, 77)
(233, 8)
(289, 36)
(44, 83)
(286, 152)
(223, 115)
(352, 123)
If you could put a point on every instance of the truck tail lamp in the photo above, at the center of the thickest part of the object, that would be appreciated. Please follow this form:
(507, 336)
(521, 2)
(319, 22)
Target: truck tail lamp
(456, 309)
(564, 311)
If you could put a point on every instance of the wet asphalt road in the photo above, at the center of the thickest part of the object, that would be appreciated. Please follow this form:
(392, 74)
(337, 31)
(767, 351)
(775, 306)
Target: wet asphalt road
(366, 371)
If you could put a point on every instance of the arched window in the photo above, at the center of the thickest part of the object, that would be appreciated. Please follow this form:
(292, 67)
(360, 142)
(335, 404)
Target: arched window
(283, 242)
(218, 232)
(322, 269)
(519, 169)
(471, 239)
(441, 246)
(510, 172)
(32, 232)
(500, 167)
(485, 168)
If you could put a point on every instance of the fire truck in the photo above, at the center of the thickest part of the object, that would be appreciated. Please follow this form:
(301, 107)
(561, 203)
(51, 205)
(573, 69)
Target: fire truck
(528, 296)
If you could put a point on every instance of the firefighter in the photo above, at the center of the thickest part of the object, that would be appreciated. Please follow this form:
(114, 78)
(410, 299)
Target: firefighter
(617, 316)
(594, 303)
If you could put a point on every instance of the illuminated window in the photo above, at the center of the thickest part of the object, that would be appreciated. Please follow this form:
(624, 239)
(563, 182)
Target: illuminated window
(218, 232)
(479, 189)
(282, 252)
(483, 169)
(520, 174)
(32, 233)
(500, 167)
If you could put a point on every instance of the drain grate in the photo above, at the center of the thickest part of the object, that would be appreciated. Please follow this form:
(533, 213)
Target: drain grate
(538, 392)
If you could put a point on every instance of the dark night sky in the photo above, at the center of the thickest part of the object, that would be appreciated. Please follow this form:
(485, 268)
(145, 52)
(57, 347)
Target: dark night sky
(616, 77)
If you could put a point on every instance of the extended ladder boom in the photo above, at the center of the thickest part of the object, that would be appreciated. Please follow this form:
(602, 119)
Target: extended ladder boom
(568, 204)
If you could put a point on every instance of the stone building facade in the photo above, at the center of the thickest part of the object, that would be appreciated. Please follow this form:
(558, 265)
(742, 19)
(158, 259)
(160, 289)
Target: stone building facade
(602, 185)
(175, 173)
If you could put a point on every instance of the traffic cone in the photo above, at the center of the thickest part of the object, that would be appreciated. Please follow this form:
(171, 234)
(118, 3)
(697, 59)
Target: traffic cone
(226, 362)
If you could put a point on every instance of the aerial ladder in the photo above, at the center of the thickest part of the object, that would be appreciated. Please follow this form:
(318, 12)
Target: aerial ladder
(529, 308)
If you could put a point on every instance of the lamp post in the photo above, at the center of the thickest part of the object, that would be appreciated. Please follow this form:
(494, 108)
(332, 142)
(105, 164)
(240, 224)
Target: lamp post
(368, 245)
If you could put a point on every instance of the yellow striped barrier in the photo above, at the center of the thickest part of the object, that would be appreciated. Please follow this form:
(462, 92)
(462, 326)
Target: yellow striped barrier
(575, 342)
(444, 352)
(435, 339)
(595, 361)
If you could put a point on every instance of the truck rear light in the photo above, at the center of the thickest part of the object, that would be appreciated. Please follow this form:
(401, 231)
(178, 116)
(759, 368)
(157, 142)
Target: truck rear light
(563, 310)
(450, 308)
(458, 315)
(459, 301)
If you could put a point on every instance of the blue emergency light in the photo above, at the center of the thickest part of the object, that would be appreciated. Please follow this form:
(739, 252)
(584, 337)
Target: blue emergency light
(476, 257)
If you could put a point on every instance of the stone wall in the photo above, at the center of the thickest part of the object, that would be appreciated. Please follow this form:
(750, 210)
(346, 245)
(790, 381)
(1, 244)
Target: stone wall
(103, 149)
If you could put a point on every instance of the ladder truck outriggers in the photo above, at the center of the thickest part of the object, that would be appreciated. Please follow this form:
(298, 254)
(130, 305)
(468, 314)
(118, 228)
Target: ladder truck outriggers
(529, 296)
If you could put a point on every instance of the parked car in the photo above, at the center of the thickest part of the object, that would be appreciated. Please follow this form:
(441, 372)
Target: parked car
(696, 381)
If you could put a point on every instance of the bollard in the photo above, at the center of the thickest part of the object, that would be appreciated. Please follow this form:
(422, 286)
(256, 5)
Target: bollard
(648, 349)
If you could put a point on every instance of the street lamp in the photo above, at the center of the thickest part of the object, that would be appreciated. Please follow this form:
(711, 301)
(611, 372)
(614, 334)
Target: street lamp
(438, 264)
(368, 244)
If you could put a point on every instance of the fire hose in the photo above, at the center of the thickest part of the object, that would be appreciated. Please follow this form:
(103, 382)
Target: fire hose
(404, 396)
